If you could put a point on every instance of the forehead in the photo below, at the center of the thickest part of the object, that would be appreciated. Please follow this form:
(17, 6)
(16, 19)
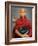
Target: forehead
(22, 9)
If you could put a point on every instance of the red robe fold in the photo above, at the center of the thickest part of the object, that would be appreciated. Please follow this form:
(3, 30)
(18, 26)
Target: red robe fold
(23, 21)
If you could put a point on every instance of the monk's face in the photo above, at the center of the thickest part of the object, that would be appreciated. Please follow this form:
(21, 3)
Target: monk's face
(22, 12)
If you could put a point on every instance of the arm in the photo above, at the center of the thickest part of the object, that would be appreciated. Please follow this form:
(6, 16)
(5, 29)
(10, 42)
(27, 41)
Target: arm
(25, 35)
(29, 27)
(16, 29)
(17, 32)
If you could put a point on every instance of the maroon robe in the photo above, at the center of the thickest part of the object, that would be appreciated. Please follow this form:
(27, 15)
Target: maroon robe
(23, 21)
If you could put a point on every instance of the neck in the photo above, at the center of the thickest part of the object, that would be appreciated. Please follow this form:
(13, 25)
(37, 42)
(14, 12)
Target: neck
(22, 16)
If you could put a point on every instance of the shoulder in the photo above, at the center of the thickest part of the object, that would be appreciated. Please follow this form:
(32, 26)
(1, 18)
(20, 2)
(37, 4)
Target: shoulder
(27, 20)
(18, 21)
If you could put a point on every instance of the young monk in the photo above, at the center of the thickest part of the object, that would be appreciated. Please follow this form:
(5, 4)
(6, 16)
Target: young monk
(23, 27)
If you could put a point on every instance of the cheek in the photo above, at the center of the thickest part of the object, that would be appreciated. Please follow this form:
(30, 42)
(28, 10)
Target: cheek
(20, 14)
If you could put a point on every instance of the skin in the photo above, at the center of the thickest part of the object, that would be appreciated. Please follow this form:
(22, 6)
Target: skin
(22, 15)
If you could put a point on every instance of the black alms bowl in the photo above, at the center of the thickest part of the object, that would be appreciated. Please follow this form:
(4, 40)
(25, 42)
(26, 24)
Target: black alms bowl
(23, 30)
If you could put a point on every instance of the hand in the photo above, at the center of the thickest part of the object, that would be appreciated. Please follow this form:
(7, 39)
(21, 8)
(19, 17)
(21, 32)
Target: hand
(25, 35)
